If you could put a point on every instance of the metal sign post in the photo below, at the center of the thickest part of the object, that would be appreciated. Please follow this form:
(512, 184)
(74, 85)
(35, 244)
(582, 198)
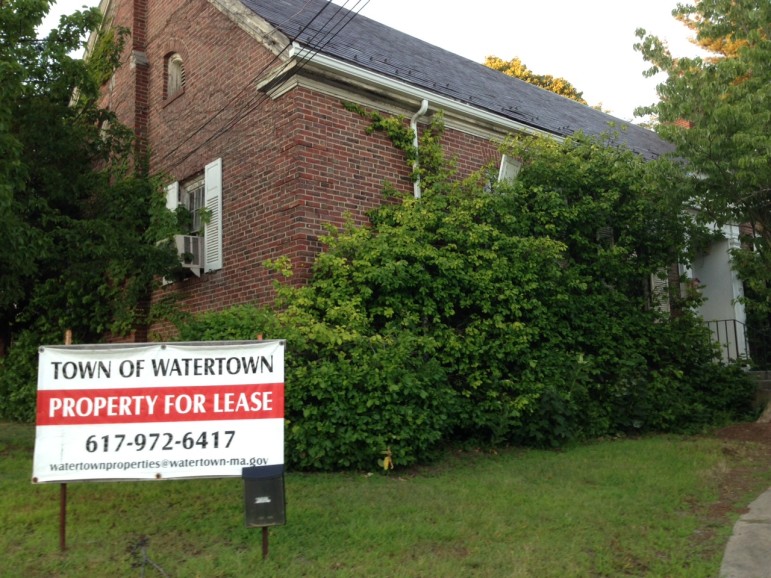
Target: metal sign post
(63, 517)
(63, 487)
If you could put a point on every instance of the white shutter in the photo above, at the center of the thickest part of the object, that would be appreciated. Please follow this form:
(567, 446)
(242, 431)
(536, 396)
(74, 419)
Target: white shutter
(605, 237)
(213, 230)
(660, 291)
(172, 196)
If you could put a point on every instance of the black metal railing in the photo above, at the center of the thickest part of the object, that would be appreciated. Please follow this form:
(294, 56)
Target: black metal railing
(731, 335)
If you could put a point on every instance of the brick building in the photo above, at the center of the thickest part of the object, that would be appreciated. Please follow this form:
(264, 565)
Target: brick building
(240, 103)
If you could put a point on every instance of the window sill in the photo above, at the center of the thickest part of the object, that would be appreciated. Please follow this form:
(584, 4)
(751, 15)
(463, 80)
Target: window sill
(174, 97)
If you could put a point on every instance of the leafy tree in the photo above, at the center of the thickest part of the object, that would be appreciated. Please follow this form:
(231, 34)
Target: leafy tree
(75, 207)
(717, 110)
(710, 33)
(517, 69)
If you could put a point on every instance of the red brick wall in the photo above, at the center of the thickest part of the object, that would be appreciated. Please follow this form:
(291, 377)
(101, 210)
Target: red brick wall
(289, 165)
(118, 94)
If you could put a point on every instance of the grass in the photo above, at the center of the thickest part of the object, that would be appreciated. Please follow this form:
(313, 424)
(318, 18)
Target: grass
(612, 508)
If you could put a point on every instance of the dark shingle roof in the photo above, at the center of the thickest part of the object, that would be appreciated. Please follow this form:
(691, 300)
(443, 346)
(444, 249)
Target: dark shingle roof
(337, 32)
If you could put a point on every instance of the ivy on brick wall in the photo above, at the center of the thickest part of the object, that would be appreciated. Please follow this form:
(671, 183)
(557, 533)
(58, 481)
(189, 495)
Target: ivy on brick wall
(433, 166)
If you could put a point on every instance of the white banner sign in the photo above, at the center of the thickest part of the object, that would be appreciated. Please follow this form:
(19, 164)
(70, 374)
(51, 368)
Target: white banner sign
(158, 411)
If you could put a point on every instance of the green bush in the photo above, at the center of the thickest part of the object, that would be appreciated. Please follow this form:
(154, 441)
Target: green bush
(349, 397)
(496, 315)
(344, 411)
(18, 377)
(689, 389)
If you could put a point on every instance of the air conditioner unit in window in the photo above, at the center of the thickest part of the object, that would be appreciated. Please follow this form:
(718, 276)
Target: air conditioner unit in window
(191, 252)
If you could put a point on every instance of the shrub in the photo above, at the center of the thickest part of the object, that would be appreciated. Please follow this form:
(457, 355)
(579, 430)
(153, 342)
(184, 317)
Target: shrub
(349, 397)
(18, 377)
(498, 316)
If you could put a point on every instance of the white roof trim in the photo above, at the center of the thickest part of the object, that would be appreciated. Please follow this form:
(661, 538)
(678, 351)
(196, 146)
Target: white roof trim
(256, 27)
(326, 63)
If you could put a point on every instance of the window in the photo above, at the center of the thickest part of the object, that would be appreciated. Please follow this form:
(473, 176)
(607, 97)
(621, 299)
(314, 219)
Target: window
(175, 75)
(197, 193)
(191, 196)
(507, 172)
(509, 168)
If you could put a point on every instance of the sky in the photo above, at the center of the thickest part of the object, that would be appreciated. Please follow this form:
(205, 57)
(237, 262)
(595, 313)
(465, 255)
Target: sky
(588, 43)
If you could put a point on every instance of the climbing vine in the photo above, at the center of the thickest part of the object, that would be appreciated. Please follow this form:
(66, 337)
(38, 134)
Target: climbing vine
(432, 166)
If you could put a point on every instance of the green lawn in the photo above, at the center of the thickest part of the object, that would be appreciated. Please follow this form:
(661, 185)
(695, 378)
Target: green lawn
(612, 508)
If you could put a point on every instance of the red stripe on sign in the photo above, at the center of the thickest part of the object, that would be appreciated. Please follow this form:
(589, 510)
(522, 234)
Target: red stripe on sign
(160, 404)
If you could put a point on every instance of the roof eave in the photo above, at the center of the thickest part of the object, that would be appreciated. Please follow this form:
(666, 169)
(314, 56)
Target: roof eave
(258, 28)
(323, 63)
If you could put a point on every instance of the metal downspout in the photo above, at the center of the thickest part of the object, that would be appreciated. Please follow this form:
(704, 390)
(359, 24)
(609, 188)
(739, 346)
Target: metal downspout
(416, 162)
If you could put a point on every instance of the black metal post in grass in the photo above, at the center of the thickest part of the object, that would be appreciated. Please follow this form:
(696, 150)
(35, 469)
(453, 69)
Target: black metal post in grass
(62, 517)
(265, 530)
(63, 487)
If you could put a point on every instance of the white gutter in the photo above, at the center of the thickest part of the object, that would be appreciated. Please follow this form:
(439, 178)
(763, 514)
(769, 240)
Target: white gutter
(415, 145)
(327, 63)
